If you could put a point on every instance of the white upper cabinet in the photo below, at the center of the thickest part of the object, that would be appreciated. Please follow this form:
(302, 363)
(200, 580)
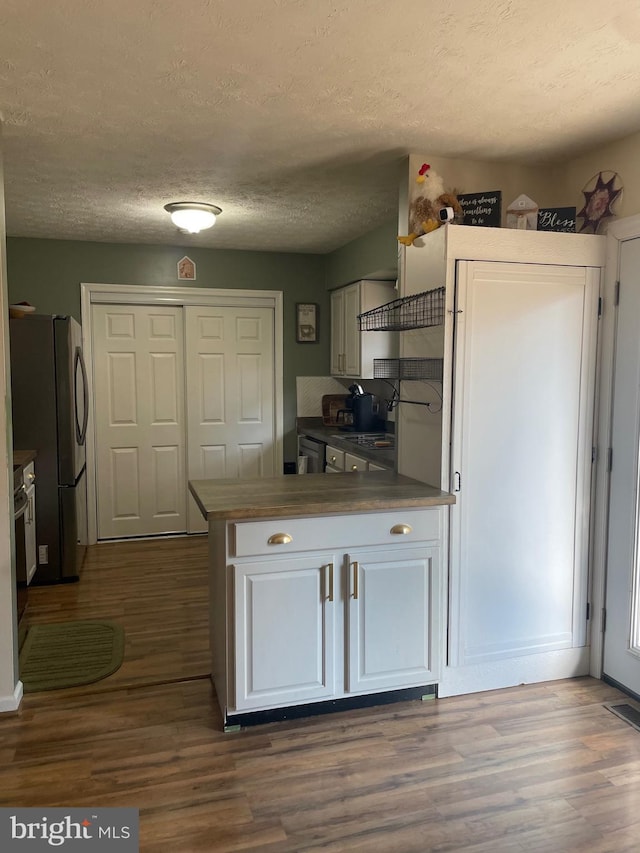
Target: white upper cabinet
(353, 351)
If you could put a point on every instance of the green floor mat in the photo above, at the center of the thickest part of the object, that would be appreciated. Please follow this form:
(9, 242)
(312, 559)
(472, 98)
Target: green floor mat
(69, 654)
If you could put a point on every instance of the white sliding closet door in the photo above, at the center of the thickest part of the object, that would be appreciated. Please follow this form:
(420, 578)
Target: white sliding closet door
(521, 466)
(139, 414)
(230, 395)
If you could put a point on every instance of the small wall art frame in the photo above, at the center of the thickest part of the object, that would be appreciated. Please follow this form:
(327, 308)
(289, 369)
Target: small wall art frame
(307, 322)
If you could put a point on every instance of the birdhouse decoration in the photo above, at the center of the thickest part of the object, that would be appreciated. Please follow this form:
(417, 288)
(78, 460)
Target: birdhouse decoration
(522, 214)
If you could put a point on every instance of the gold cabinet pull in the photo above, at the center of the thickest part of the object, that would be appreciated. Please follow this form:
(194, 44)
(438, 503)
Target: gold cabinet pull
(332, 460)
(401, 528)
(329, 566)
(279, 539)
(354, 467)
(356, 569)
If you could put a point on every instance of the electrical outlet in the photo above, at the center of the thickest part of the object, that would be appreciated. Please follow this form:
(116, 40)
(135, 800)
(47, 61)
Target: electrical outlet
(43, 555)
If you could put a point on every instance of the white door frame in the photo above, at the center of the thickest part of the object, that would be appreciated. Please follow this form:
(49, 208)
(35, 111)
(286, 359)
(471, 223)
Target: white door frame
(617, 232)
(140, 294)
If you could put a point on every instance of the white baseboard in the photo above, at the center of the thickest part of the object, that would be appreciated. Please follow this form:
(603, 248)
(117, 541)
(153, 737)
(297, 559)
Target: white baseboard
(11, 703)
(529, 669)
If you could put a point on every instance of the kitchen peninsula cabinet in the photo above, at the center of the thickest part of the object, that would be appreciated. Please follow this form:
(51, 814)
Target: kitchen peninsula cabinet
(322, 589)
(352, 353)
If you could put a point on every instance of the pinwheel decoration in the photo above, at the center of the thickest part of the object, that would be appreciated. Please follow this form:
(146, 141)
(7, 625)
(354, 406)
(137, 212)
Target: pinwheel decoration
(600, 193)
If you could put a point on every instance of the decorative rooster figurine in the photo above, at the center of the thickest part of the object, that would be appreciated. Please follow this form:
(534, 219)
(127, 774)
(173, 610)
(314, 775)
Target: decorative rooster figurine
(427, 199)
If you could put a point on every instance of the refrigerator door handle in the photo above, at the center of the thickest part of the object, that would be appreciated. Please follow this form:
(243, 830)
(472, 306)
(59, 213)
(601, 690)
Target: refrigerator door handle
(81, 430)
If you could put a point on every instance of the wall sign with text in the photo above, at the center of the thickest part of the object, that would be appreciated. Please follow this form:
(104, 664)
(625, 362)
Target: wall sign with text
(557, 219)
(482, 208)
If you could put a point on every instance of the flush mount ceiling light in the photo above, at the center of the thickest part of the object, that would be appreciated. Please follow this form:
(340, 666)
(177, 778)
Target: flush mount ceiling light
(192, 216)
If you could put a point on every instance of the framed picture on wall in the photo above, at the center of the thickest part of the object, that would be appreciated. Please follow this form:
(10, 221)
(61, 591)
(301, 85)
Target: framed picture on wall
(307, 322)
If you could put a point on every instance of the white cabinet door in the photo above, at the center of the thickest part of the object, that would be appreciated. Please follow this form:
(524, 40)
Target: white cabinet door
(139, 414)
(284, 631)
(353, 351)
(521, 462)
(393, 636)
(230, 389)
(352, 333)
(337, 332)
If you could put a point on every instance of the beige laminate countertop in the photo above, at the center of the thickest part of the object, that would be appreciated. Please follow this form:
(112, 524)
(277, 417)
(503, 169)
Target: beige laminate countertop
(313, 494)
(23, 457)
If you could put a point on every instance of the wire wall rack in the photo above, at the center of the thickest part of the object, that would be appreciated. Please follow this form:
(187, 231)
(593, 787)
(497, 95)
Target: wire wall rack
(408, 368)
(409, 312)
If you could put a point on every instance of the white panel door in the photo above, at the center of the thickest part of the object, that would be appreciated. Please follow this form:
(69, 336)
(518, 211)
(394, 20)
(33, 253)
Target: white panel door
(622, 636)
(521, 457)
(230, 395)
(139, 413)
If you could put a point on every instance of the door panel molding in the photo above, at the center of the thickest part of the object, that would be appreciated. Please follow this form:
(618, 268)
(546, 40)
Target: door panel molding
(92, 293)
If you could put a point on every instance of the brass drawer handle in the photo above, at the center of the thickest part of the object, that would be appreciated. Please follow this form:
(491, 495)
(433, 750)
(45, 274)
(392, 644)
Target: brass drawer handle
(332, 459)
(401, 528)
(279, 539)
(354, 467)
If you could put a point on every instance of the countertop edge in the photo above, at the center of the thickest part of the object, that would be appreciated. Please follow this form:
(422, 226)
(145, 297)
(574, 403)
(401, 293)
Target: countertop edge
(274, 507)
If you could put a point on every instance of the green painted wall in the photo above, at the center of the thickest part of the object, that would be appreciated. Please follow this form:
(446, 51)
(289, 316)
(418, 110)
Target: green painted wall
(48, 274)
(375, 254)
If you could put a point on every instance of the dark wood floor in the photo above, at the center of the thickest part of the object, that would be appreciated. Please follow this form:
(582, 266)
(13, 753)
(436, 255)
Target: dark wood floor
(536, 768)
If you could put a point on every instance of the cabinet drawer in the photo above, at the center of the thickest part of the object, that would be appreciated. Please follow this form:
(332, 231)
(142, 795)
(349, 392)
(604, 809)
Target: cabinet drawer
(354, 463)
(251, 538)
(28, 475)
(335, 457)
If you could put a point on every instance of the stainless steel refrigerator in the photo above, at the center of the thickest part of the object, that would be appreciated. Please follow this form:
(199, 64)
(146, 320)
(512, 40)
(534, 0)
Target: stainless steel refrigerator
(50, 413)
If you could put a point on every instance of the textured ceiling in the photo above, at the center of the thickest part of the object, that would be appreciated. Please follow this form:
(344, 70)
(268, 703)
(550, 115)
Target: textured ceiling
(291, 115)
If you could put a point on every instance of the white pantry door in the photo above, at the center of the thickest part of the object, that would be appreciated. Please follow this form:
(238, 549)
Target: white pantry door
(521, 467)
(139, 411)
(230, 395)
(622, 635)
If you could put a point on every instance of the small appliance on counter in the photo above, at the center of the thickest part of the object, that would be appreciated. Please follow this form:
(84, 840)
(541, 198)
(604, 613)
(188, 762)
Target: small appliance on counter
(359, 405)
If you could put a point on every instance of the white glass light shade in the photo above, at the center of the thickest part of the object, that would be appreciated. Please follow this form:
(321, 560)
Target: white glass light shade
(192, 216)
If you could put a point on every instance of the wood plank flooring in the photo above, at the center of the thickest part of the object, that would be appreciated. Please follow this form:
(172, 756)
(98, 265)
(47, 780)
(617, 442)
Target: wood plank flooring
(535, 768)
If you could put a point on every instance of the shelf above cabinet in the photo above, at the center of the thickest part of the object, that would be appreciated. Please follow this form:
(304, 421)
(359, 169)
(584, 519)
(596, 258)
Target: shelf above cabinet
(408, 368)
(418, 311)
